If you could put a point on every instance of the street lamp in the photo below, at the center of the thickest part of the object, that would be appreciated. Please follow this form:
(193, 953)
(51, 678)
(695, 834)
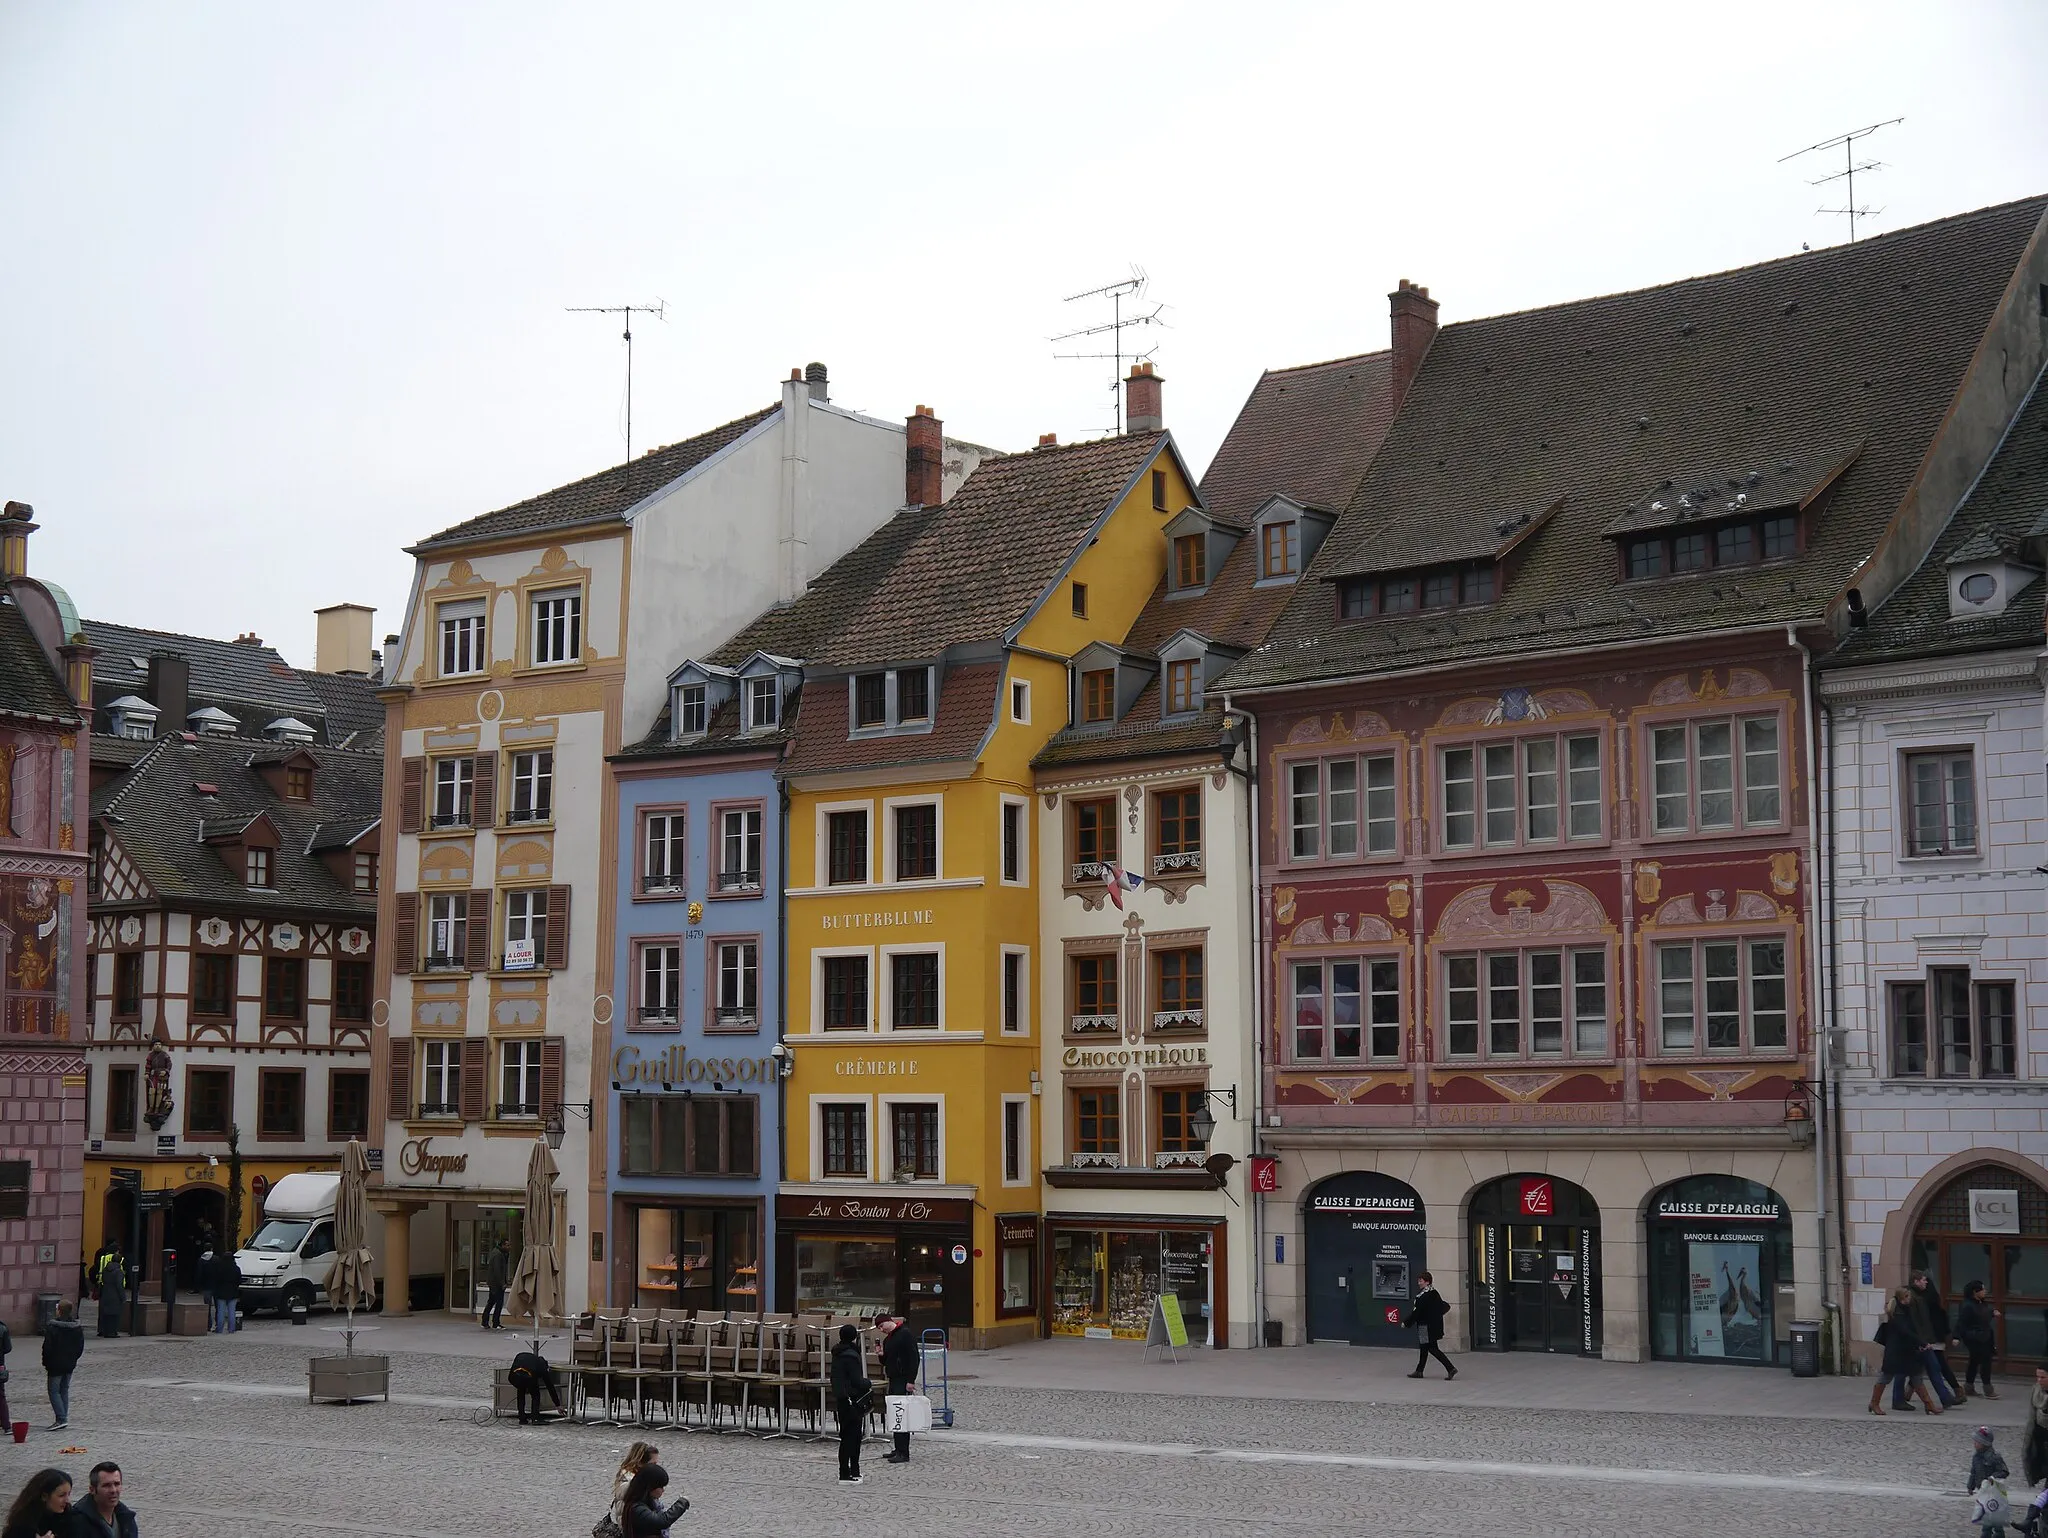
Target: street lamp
(1201, 1120)
(556, 1126)
(1798, 1119)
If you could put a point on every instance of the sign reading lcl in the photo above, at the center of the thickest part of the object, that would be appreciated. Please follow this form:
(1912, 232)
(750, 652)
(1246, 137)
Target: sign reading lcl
(1994, 1212)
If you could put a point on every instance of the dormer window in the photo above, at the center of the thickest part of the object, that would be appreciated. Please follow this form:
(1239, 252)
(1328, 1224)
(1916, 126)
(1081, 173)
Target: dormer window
(764, 704)
(298, 783)
(913, 694)
(1098, 695)
(1183, 687)
(132, 716)
(256, 867)
(1444, 587)
(899, 697)
(871, 699)
(693, 710)
(1742, 543)
(1190, 561)
(1280, 550)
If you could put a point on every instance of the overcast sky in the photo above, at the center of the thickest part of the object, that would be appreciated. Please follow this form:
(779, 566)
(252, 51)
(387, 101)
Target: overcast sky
(283, 288)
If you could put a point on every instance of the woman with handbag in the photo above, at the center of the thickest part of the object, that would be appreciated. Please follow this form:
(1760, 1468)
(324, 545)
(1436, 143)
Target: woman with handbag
(851, 1392)
(1426, 1317)
(645, 1516)
(613, 1523)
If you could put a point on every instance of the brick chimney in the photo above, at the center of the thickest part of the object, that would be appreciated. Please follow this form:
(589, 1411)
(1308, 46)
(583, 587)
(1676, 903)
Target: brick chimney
(1048, 440)
(924, 458)
(1142, 413)
(170, 690)
(1413, 314)
(17, 522)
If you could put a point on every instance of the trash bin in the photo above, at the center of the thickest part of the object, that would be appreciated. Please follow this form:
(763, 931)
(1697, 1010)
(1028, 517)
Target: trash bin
(46, 1310)
(1805, 1348)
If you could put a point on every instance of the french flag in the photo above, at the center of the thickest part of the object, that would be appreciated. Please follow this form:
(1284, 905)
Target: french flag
(1118, 881)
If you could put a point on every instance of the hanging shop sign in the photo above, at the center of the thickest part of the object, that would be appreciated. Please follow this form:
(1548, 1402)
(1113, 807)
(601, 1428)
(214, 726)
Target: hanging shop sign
(1265, 1174)
(1538, 1199)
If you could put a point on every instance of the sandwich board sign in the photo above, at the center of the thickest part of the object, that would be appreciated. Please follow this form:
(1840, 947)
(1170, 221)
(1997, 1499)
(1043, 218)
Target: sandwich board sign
(1169, 1328)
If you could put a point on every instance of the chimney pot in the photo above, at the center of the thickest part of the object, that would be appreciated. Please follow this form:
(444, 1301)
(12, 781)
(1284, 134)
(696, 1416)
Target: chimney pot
(1413, 316)
(814, 376)
(796, 376)
(1143, 410)
(248, 638)
(924, 459)
(1048, 440)
(17, 522)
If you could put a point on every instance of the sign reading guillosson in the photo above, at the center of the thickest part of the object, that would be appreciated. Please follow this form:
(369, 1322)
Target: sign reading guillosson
(673, 1065)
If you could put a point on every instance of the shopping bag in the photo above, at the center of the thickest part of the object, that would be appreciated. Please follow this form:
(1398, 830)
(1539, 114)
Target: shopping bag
(907, 1412)
(1991, 1507)
(1422, 1335)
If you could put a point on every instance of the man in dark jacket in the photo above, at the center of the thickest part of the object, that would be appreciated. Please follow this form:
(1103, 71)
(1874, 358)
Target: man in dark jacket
(497, 1274)
(851, 1392)
(6, 1346)
(530, 1374)
(1977, 1329)
(901, 1361)
(1426, 1317)
(102, 1514)
(1930, 1323)
(63, 1345)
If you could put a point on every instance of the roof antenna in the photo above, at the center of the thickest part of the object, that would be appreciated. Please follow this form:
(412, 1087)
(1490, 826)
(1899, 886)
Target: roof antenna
(1128, 288)
(1849, 169)
(659, 310)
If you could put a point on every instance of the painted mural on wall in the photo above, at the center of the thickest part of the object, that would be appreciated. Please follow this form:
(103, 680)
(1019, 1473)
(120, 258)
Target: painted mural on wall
(35, 954)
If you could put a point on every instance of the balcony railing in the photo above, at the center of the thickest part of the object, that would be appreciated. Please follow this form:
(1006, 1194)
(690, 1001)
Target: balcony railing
(530, 813)
(1183, 1159)
(1096, 1161)
(439, 1108)
(450, 819)
(739, 881)
(1084, 871)
(443, 963)
(656, 1014)
(1093, 1025)
(725, 1015)
(651, 882)
(508, 1110)
(1177, 1020)
(1170, 864)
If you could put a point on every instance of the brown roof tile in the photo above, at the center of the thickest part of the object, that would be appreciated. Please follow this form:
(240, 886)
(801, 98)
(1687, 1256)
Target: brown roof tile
(966, 713)
(1308, 431)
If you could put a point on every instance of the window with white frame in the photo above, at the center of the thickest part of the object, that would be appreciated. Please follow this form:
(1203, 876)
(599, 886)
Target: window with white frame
(256, 867)
(661, 983)
(692, 710)
(764, 703)
(447, 930)
(1533, 790)
(1016, 1002)
(1717, 776)
(846, 847)
(843, 1139)
(557, 626)
(843, 992)
(1020, 700)
(1012, 816)
(739, 849)
(1941, 802)
(441, 1085)
(915, 845)
(1347, 1011)
(462, 637)
(1535, 1003)
(914, 990)
(533, 786)
(666, 868)
(1948, 1026)
(1016, 1140)
(519, 1079)
(914, 1139)
(1722, 995)
(1341, 807)
(526, 928)
(739, 982)
(454, 779)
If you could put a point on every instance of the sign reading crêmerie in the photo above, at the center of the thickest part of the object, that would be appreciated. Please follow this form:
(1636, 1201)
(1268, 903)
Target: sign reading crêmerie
(901, 918)
(875, 1067)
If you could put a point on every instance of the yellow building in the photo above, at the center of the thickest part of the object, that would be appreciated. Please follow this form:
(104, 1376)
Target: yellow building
(912, 915)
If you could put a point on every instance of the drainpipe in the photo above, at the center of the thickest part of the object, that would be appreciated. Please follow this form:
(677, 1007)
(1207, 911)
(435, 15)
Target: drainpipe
(1257, 1203)
(1833, 1083)
(782, 983)
(1817, 853)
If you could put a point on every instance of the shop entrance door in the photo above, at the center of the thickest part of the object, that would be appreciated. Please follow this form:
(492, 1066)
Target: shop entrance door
(470, 1252)
(1535, 1277)
(938, 1289)
(1547, 1306)
(1951, 1245)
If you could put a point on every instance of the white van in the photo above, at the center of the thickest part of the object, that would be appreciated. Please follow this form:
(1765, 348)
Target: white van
(291, 1257)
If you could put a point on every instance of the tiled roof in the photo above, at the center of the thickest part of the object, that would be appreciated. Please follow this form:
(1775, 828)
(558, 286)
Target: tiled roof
(29, 686)
(988, 553)
(1140, 734)
(226, 673)
(1720, 491)
(1583, 406)
(2008, 505)
(157, 816)
(1308, 431)
(603, 497)
(722, 735)
(966, 713)
(355, 716)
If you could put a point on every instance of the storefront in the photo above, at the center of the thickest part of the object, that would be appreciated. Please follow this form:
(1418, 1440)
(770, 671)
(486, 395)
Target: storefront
(1367, 1237)
(1990, 1225)
(147, 1205)
(1720, 1272)
(888, 1254)
(691, 1251)
(1535, 1266)
(1105, 1274)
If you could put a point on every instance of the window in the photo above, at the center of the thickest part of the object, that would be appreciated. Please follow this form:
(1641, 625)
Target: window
(1177, 831)
(557, 627)
(739, 849)
(1176, 988)
(366, 870)
(871, 699)
(256, 867)
(1325, 810)
(209, 1101)
(739, 981)
(1709, 776)
(693, 710)
(1348, 1010)
(689, 1135)
(1020, 700)
(128, 984)
(281, 1108)
(1159, 490)
(764, 703)
(1098, 695)
(1095, 1006)
(845, 1139)
(122, 1086)
(462, 637)
(352, 991)
(14, 1183)
(1357, 598)
(1016, 1142)
(1190, 560)
(1513, 792)
(846, 993)
(1722, 996)
(298, 783)
(284, 988)
(1974, 1027)
(1780, 536)
(913, 694)
(1013, 841)
(1526, 1004)
(917, 842)
(1734, 544)
(1941, 796)
(213, 985)
(1080, 600)
(1442, 588)
(519, 1079)
(453, 781)
(1646, 558)
(526, 929)
(348, 1105)
(441, 1088)
(533, 786)
(914, 991)
(1173, 1116)
(1397, 595)
(1689, 552)
(1094, 838)
(847, 848)
(1439, 589)
(447, 930)
(1280, 546)
(1098, 1124)
(666, 866)
(1015, 1013)
(661, 984)
(1183, 687)
(914, 1140)
(1739, 543)
(137, 727)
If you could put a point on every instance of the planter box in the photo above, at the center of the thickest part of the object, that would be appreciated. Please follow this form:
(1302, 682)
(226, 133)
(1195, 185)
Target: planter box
(188, 1318)
(348, 1378)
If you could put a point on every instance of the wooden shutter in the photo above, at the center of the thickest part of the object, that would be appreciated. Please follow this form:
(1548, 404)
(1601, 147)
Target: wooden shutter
(550, 1075)
(412, 795)
(405, 941)
(558, 928)
(478, 955)
(483, 790)
(476, 1073)
(401, 1078)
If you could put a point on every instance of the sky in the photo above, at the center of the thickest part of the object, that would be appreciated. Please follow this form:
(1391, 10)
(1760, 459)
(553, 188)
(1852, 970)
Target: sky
(284, 289)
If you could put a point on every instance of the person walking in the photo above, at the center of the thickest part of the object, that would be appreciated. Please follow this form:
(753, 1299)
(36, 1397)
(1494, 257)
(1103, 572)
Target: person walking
(43, 1509)
(113, 1285)
(851, 1391)
(1426, 1316)
(497, 1275)
(1977, 1329)
(1986, 1463)
(901, 1362)
(646, 1517)
(63, 1345)
(638, 1456)
(227, 1293)
(1930, 1323)
(1902, 1364)
(102, 1514)
(2034, 1451)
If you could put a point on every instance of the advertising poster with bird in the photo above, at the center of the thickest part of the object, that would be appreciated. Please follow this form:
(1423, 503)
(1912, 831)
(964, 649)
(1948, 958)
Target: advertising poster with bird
(1726, 1314)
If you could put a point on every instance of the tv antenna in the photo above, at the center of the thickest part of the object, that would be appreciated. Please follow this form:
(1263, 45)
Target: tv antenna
(659, 310)
(1131, 288)
(1850, 167)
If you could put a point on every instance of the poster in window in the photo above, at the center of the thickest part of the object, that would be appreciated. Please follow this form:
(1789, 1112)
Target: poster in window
(1726, 1315)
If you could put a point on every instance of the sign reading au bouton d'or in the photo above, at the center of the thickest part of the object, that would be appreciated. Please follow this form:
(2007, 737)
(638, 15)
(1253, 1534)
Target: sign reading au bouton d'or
(872, 1209)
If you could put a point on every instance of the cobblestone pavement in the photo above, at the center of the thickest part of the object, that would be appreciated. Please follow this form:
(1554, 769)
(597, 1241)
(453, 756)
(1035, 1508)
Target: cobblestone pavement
(215, 1436)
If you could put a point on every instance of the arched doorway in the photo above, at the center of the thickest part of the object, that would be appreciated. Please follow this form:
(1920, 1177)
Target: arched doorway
(1535, 1266)
(1720, 1272)
(199, 1217)
(1367, 1239)
(1990, 1225)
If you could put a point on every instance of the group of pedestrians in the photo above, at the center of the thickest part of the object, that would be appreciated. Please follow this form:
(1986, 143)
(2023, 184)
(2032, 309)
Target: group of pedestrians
(853, 1392)
(1915, 1334)
(47, 1508)
(638, 1490)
